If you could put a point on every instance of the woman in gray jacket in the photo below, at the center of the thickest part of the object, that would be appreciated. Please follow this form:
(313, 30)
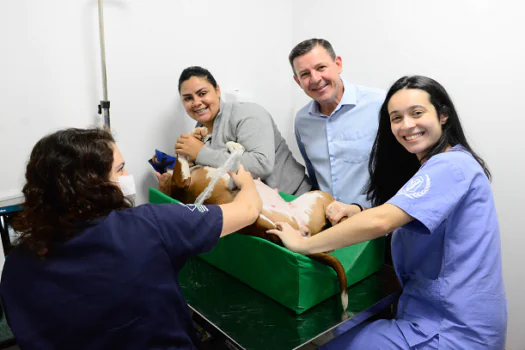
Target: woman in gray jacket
(266, 153)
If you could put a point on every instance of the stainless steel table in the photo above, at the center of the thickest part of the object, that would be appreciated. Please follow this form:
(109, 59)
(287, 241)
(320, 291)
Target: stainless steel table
(239, 317)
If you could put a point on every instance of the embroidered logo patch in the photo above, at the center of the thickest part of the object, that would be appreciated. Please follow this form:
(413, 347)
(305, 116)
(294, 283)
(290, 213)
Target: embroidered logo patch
(192, 207)
(416, 187)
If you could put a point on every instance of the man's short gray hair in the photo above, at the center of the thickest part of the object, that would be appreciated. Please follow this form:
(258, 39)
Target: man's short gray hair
(306, 46)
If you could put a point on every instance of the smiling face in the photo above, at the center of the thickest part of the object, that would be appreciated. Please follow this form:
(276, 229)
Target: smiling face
(201, 100)
(318, 75)
(414, 121)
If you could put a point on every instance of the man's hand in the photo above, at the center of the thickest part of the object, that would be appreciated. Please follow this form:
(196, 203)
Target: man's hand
(188, 146)
(335, 211)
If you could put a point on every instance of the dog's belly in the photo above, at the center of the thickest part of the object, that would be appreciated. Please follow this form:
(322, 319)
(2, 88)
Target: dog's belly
(304, 208)
(211, 173)
(305, 213)
(273, 204)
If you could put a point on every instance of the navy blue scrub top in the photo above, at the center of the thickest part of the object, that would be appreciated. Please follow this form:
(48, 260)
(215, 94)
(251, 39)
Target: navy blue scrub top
(112, 286)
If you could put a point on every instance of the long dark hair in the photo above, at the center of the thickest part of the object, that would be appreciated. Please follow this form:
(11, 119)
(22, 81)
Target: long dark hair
(391, 165)
(68, 183)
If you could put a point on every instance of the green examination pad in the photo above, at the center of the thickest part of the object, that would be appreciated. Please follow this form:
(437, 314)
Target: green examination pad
(291, 279)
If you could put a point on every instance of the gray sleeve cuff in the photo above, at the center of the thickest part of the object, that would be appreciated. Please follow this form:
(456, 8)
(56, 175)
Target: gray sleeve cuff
(211, 157)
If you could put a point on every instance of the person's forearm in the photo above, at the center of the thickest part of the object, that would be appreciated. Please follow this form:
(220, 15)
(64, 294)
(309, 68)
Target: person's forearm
(243, 211)
(258, 164)
(365, 226)
(248, 200)
(212, 157)
(255, 133)
(353, 230)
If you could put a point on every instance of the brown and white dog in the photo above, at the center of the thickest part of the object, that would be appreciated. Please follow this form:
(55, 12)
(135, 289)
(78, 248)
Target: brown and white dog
(306, 213)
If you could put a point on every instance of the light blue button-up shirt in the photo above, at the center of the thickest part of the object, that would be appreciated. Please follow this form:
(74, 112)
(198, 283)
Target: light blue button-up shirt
(336, 148)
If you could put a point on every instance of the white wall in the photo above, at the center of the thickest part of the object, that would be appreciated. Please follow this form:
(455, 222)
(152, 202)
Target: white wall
(50, 76)
(476, 50)
(50, 70)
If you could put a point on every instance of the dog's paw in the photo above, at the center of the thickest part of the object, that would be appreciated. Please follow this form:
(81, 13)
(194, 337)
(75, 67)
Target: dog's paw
(232, 146)
(199, 133)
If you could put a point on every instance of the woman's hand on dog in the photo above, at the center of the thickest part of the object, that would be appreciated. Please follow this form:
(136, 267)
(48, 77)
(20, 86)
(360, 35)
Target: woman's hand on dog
(189, 146)
(242, 177)
(291, 238)
(248, 192)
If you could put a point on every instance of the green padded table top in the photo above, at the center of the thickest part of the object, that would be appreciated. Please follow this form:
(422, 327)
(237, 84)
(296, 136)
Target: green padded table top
(248, 319)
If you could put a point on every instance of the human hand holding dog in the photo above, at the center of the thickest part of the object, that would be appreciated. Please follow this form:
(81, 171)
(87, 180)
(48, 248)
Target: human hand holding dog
(248, 192)
(242, 177)
(246, 206)
(189, 146)
(336, 211)
(291, 238)
(164, 182)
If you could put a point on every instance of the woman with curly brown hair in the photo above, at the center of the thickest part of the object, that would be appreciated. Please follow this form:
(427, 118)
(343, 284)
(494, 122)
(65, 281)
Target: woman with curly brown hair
(92, 272)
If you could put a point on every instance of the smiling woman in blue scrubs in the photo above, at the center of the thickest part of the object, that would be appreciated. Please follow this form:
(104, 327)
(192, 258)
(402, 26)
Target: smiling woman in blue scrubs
(433, 191)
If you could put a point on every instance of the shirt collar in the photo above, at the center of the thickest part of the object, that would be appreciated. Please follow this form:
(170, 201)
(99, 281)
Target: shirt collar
(349, 98)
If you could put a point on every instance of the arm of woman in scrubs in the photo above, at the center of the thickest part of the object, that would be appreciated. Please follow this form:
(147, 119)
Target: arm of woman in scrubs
(362, 227)
(246, 206)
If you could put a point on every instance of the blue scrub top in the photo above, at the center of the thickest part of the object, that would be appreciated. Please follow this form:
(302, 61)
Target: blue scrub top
(449, 258)
(113, 285)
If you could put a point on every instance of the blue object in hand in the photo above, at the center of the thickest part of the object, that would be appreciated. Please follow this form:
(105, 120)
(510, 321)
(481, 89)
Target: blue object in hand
(164, 162)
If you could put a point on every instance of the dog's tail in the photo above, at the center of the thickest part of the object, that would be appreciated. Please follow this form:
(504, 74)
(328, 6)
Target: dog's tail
(334, 263)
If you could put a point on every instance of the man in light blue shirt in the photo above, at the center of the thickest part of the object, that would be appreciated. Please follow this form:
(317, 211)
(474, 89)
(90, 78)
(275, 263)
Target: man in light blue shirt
(336, 130)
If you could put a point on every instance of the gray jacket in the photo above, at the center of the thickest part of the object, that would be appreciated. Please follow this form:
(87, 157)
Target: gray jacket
(267, 155)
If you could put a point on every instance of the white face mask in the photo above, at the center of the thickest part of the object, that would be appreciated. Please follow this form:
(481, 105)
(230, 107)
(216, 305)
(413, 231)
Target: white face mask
(127, 186)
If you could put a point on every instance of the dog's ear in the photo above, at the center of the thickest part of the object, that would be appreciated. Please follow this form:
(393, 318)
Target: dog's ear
(181, 177)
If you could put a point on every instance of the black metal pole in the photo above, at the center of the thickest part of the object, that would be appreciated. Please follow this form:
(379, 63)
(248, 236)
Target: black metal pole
(103, 107)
